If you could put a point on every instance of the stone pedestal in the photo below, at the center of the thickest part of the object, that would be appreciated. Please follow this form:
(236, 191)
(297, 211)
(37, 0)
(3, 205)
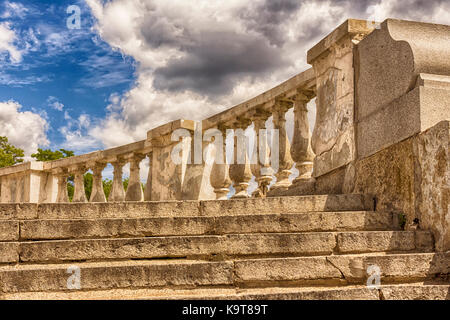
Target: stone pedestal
(174, 174)
(333, 139)
(23, 183)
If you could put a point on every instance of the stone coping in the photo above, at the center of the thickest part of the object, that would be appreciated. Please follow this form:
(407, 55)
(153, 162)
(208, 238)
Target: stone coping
(305, 80)
(32, 165)
(349, 27)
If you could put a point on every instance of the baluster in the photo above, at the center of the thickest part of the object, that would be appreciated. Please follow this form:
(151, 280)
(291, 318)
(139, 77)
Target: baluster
(134, 190)
(285, 161)
(98, 194)
(117, 193)
(260, 159)
(240, 171)
(220, 178)
(79, 194)
(63, 194)
(301, 150)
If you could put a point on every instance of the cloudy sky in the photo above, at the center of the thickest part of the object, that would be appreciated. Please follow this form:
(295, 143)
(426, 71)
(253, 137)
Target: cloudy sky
(136, 64)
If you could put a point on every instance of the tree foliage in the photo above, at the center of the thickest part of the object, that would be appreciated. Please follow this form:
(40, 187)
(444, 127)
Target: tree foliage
(49, 155)
(9, 154)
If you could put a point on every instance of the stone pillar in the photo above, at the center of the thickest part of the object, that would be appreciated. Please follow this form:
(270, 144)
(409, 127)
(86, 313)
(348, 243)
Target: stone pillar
(62, 175)
(117, 193)
(148, 186)
(19, 187)
(6, 190)
(98, 194)
(134, 190)
(285, 161)
(220, 178)
(173, 168)
(260, 163)
(79, 194)
(333, 139)
(240, 171)
(301, 150)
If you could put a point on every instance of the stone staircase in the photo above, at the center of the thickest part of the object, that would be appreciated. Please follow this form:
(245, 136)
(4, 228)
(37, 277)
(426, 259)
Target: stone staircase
(304, 247)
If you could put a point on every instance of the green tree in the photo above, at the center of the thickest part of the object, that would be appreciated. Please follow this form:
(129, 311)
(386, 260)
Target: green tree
(126, 181)
(49, 155)
(9, 155)
(107, 186)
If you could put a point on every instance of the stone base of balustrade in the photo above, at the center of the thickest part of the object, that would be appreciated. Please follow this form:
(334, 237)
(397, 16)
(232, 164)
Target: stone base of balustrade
(302, 187)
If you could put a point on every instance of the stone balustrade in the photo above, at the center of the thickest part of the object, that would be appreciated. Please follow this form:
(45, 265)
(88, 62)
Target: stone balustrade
(188, 179)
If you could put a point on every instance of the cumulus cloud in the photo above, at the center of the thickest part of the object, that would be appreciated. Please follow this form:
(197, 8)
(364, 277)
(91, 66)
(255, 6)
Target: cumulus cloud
(196, 59)
(26, 130)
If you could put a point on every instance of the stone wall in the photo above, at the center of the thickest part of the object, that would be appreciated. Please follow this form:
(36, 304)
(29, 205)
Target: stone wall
(413, 177)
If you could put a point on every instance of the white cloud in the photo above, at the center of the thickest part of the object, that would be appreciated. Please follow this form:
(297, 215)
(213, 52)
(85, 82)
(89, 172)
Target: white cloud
(55, 104)
(7, 39)
(75, 134)
(14, 9)
(26, 130)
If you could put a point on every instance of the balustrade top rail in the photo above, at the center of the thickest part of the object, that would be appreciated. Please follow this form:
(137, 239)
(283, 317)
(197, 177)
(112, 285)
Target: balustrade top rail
(305, 81)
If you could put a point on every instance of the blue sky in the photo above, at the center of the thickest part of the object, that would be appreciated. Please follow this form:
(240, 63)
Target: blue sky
(62, 72)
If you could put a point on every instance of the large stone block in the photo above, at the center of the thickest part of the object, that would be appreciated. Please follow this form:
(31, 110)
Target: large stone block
(412, 113)
(402, 83)
(389, 60)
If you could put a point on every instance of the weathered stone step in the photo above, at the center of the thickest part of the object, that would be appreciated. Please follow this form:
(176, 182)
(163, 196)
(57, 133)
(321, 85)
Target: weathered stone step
(172, 226)
(413, 291)
(345, 269)
(266, 244)
(346, 202)
(183, 274)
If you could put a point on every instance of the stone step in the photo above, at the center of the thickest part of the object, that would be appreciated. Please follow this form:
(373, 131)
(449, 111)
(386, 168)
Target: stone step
(314, 203)
(220, 247)
(413, 291)
(191, 274)
(177, 226)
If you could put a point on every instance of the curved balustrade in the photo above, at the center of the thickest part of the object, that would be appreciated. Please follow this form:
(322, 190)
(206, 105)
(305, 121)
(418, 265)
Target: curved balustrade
(47, 182)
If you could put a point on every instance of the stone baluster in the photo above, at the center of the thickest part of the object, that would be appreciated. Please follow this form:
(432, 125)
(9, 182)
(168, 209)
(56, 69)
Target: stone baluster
(134, 190)
(240, 171)
(285, 160)
(79, 194)
(260, 159)
(98, 194)
(117, 193)
(148, 186)
(301, 150)
(220, 178)
(62, 175)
